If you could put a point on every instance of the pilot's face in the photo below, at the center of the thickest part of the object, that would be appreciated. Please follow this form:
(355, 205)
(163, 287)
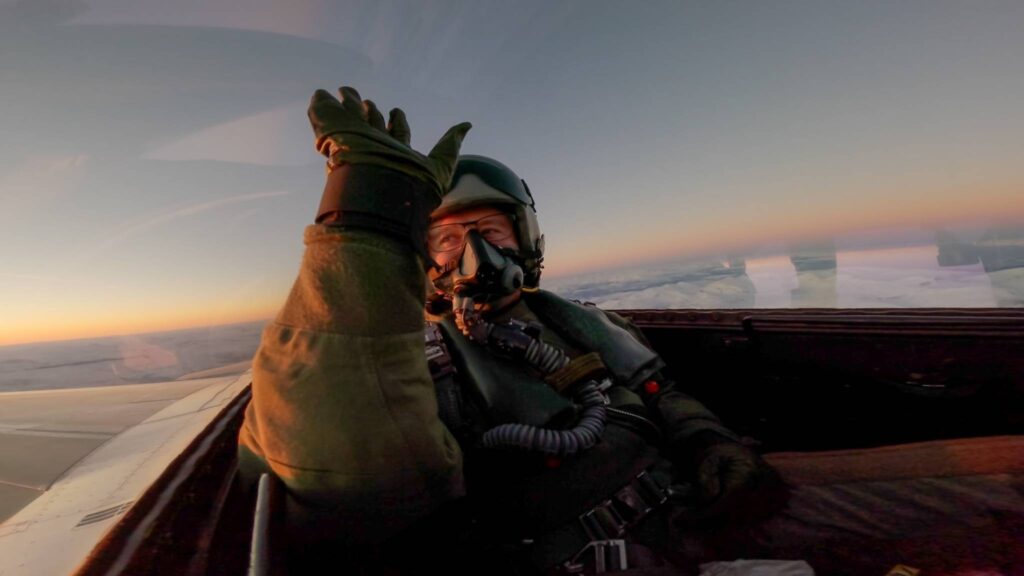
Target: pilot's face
(446, 236)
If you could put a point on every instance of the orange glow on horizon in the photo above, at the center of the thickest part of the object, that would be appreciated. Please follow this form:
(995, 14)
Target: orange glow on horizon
(57, 327)
(52, 317)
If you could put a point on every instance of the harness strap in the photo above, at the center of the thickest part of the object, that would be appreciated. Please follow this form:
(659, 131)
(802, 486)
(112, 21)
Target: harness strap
(442, 371)
(579, 369)
(604, 525)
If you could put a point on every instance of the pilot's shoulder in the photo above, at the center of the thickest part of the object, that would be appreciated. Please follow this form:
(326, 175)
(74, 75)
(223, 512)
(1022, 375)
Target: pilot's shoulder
(616, 319)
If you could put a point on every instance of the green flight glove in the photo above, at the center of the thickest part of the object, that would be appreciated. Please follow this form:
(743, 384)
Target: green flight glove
(376, 181)
(352, 131)
(732, 482)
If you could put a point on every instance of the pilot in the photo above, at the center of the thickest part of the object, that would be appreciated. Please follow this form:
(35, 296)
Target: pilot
(544, 423)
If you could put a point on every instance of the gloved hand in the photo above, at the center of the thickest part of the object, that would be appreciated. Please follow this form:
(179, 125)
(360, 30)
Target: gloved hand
(731, 482)
(376, 181)
(352, 131)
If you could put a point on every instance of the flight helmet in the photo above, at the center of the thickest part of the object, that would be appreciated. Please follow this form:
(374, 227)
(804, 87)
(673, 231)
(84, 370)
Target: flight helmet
(483, 181)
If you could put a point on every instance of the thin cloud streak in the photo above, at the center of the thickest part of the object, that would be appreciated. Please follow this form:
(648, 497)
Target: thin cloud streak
(159, 219)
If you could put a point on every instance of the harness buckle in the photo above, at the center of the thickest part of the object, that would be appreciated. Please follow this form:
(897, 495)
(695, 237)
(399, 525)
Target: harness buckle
(606, 523)
(603, 522)
(631, 504)
(649, 487)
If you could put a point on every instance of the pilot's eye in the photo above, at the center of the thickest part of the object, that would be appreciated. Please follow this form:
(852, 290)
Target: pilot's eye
(495, 228)
(444, 238)
(447, 240)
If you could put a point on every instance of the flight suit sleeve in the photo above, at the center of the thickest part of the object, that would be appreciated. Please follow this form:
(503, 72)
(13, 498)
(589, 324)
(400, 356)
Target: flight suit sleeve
(343, 406)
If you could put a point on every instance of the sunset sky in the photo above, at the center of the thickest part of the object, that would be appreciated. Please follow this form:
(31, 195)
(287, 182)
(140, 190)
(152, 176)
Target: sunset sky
(157, 169)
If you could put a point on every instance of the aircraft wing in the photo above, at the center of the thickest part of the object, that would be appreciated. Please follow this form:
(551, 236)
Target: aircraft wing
(74, 461)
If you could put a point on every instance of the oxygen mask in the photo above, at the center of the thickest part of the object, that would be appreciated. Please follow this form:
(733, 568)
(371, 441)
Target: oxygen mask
(483, 274)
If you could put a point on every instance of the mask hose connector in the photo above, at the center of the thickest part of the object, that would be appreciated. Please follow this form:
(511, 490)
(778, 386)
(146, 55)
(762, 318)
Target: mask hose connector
(514, 339)
(468, 320)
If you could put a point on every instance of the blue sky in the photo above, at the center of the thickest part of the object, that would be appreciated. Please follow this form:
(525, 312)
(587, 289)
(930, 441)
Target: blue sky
(157, 168)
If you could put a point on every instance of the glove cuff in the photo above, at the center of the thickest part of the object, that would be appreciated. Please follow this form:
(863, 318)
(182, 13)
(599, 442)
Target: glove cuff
(374, 198)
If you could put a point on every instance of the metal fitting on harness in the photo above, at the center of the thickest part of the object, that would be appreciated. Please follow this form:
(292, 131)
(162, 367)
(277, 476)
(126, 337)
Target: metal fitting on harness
(605, 523)
(625, 508)
(598, 557)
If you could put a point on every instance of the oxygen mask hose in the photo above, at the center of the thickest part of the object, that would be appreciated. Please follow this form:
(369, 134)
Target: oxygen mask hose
(521, 341)
(585, 434)
(514, 339)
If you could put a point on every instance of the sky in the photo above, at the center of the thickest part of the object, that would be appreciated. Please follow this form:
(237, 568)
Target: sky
(157, 168)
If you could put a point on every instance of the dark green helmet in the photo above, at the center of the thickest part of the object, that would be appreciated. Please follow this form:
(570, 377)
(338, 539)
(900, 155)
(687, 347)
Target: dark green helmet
(482, 181)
